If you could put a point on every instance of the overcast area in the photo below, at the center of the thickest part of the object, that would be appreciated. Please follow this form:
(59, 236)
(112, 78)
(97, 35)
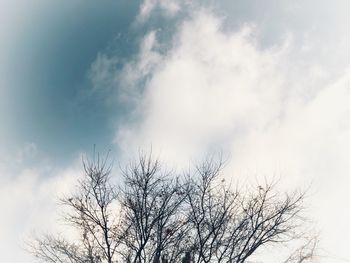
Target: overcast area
(265, 83)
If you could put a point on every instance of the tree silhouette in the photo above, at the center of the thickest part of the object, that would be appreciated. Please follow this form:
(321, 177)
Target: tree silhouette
(155, 216)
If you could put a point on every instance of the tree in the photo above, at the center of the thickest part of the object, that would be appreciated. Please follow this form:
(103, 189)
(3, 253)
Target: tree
(151, 204)
(92, 215)
(156, 216)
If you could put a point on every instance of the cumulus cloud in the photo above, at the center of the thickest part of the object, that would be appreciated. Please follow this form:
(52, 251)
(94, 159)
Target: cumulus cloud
(212, 87)
(273, 109)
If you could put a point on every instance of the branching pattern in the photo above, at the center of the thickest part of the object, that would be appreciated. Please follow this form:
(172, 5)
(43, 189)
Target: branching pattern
(158, 217)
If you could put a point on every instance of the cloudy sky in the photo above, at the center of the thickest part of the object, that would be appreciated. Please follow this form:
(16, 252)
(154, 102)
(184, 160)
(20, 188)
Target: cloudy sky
(267, 83)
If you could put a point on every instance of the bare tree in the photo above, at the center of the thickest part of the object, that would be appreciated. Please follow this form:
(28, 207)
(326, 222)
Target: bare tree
(151, 204)
(228, 225)
(92, 214)
(160, 217)
(305, 253)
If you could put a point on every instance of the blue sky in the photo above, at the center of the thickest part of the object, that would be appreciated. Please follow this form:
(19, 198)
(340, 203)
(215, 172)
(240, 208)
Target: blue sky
(265, 82)
(48, 63)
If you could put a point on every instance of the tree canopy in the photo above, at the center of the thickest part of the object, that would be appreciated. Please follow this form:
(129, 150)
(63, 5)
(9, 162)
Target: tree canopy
(155, 216)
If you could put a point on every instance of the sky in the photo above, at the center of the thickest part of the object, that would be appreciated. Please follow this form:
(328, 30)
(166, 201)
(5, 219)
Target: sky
(266, 83)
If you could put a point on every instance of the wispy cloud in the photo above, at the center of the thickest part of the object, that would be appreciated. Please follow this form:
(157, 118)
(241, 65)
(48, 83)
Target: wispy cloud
(266, 83)
(272, 109)
(167, 7)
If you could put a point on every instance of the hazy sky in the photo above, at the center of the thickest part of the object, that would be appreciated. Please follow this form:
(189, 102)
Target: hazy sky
(265, 82)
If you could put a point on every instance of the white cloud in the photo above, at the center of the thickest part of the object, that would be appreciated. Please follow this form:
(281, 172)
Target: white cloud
(210, 86)
(273, 110)
(29, 202)
(144, 64)
(167, 7)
